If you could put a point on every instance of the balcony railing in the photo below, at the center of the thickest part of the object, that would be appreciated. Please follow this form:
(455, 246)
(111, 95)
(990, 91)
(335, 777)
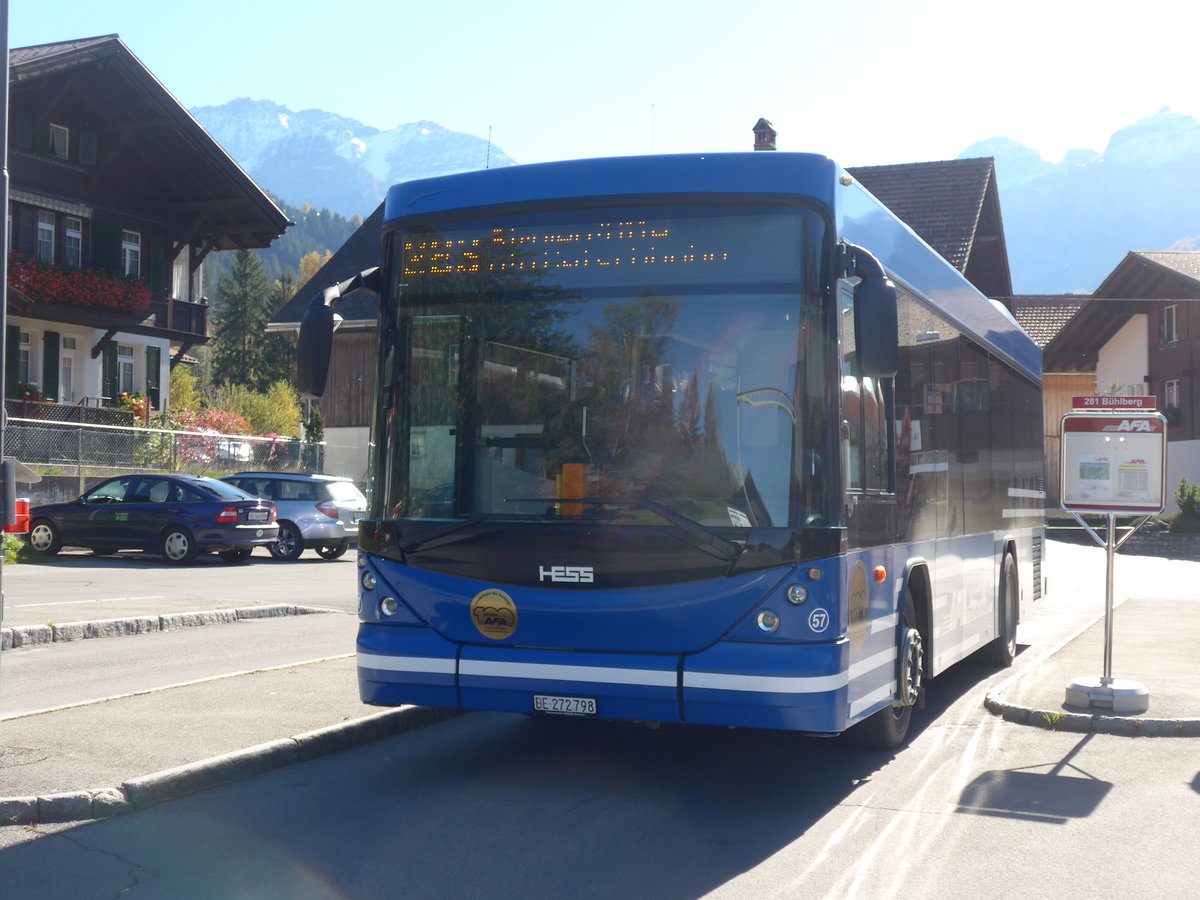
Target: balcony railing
(180, 315)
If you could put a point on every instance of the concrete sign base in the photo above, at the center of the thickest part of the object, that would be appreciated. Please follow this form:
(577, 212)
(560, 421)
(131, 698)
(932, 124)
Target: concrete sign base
(1120, 695)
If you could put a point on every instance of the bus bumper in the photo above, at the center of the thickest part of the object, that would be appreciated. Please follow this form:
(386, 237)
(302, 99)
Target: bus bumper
(793, 687)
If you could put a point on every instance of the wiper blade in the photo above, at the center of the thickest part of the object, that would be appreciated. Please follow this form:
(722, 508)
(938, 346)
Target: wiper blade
(431, 536)
(701, 537)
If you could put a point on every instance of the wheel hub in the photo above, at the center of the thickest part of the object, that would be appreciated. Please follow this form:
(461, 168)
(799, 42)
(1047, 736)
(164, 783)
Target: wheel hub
(912, 667)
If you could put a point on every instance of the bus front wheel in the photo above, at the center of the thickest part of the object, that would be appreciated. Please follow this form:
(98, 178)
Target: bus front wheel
(886, 729)
(1003, 650)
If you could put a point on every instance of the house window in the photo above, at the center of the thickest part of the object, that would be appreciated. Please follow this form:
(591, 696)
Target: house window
(45, 235)
(124, 369)
(1171, 390)
(23, 358)
(60, 141)
(179, 277)
(1167, 332)
(131, 254)
(74, 242)
(66, 373)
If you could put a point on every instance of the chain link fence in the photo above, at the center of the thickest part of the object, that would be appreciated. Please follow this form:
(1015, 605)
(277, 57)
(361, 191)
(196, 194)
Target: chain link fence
(64, 448)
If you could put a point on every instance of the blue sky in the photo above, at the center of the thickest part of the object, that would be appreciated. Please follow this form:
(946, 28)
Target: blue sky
(868, 82)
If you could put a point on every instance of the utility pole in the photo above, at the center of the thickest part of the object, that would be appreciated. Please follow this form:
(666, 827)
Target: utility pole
(7, 479)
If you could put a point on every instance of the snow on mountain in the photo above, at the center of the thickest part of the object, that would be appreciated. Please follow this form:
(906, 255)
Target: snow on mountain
(1164, 139)
(1068, 224)
(330, 161)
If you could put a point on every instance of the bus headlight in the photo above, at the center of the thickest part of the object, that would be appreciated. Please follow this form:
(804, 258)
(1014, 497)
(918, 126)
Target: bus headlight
(797, 594)
(388, 606)
(368, 580)
(767, 621)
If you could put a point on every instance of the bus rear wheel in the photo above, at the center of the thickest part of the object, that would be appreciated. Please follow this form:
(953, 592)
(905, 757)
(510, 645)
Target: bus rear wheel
(886, 729)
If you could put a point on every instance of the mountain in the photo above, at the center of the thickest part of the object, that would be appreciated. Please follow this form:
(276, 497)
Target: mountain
(1068, 224)
(332, 162)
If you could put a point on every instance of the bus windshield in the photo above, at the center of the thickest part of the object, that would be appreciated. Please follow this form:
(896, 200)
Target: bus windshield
(536, 365)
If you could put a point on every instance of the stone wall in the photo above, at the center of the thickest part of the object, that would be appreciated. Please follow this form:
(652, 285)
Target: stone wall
(1143, 543)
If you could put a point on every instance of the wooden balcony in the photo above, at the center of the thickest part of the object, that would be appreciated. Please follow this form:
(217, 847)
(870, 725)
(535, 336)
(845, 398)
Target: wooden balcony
(180, 315)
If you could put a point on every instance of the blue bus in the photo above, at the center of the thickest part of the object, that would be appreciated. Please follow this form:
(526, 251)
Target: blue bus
(707, 439)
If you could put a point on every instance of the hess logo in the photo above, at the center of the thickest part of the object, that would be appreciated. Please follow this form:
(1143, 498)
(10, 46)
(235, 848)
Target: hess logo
(570, 574)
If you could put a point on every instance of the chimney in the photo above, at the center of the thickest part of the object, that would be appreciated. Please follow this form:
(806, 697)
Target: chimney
(764, 135)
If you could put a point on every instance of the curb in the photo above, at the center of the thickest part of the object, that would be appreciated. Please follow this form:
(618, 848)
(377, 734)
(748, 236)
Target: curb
(35, 635)
(171, 784)
(1088, 723)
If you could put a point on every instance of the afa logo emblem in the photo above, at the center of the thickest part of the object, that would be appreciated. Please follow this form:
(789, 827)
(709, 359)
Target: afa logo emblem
(494, 614)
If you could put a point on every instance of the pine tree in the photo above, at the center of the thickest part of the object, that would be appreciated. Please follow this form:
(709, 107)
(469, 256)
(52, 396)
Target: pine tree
(239, 354)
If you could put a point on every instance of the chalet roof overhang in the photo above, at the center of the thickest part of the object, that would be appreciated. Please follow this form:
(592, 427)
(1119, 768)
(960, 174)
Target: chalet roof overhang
(1142, 281)
(1076, 347)
(153, 155)
(1154, 276)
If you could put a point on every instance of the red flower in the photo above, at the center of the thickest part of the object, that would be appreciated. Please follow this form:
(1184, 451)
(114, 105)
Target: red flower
(47, 283)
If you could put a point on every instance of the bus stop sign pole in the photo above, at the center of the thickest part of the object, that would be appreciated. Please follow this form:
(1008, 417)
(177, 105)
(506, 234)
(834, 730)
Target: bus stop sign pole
(1113, 462)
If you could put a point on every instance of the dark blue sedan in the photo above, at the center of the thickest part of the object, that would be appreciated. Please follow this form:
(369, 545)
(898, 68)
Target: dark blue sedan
(178, 516)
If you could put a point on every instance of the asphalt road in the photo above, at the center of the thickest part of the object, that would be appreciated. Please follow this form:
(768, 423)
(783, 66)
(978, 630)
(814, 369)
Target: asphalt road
(497, 806)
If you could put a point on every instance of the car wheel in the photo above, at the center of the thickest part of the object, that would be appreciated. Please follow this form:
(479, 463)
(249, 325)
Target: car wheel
(44, 537)
(178, 545)
(235, 557)
(288, 545)
(333, 551)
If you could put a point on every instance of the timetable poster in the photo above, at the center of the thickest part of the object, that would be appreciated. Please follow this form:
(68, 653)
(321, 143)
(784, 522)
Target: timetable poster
(1113, 463)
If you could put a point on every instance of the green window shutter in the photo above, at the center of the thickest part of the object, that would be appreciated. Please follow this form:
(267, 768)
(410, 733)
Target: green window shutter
(154, 376)
(87, 147)
(158, 266)
(12, 350)
(41, 139)
(106, 245)
(23, 128)
(109, 360)
(50, 345)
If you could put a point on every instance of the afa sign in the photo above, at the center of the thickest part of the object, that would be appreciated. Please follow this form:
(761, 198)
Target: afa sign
(1113, 462)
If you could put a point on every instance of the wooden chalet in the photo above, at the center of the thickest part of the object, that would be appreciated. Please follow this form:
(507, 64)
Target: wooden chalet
(954, 206)
(1139, 334)
(116, 197)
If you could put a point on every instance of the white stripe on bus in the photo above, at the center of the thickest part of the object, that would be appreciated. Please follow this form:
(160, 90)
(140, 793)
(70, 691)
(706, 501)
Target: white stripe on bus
(425, 664)
(720, 681)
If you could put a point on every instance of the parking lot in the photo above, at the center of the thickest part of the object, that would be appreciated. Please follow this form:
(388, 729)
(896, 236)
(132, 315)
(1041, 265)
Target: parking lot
(77, 586)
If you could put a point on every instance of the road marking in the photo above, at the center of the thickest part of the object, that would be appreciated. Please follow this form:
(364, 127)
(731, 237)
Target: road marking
(167, 687)
(97, 600)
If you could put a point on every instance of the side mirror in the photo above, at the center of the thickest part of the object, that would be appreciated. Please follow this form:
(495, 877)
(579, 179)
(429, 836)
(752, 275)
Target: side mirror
(315, 344)
(875, 327)
(875, 318)
(314, 348)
